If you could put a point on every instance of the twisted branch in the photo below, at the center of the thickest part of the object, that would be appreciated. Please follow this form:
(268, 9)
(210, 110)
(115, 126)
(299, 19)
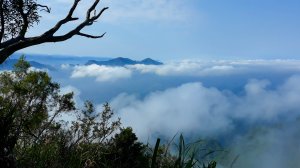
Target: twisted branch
(10, 46)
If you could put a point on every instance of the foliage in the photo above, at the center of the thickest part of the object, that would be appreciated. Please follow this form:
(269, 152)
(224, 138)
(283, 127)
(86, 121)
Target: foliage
(84, 144)
(127, 152)
(14, 12)
(26, 98)
(187, 155)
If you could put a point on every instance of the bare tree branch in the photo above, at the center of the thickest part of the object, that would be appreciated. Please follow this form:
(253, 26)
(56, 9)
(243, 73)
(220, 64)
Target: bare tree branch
(99, 14)
(88, 14)
(44, 8)
(90, 36)
(12, 45)
(67, 19)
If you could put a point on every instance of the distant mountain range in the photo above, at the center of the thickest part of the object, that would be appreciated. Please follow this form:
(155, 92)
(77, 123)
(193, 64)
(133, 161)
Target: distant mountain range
(9, 64)
(55, 60)
(51, 62)
(120, 61)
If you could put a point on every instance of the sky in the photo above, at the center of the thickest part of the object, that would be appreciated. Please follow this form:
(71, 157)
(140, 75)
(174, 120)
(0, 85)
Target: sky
(182, 29)
(231, 71)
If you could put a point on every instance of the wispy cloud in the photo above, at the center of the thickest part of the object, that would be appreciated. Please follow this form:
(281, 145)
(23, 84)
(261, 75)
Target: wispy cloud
(153, 10)
(137, 10)
(274, 147)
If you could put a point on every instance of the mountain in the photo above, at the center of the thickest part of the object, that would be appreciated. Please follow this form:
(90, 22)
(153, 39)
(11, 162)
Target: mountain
(120, 61)
(149, 61)
(50, 62)
(9, 65)
(55, 60)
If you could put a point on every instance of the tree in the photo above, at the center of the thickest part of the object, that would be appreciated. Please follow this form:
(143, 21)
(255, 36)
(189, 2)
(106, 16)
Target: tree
(33, 135)
(29, 104)
(17, 16)
(83, 144)
(126, 151)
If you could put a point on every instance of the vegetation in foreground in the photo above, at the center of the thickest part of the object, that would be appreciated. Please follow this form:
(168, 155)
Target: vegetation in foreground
(34, 134)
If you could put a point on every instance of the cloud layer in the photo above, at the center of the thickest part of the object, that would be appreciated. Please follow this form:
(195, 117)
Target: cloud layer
(193, 108)
(261, 126)
(209, 68)
(187, 68)
(274, 147)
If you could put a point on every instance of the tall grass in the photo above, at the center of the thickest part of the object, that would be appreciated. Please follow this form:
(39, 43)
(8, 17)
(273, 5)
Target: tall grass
(186, 156)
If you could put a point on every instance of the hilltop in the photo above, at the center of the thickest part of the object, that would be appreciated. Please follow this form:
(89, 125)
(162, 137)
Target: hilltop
(120, 61)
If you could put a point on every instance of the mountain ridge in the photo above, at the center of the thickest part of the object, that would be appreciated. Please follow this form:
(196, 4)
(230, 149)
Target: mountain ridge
(121, 61)
(9, 65)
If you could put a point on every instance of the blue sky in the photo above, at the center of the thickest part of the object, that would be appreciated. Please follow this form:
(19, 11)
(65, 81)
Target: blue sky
(184, 29)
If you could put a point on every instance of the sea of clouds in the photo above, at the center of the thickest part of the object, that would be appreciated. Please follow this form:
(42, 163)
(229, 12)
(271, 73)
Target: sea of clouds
(196, 110)
(193, 108)
(251, 106)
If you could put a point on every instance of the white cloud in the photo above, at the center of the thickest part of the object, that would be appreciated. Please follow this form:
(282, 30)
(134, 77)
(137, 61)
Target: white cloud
(76, 91)
(71, 116)
(65, 66)
(141, 10)
(193, 108)
(33, 69)
(2, 71)
(153, 10)
(174, 110)
(212, 68)
(274, 147)
(180, 68)
(101, 73)
(185, 68)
